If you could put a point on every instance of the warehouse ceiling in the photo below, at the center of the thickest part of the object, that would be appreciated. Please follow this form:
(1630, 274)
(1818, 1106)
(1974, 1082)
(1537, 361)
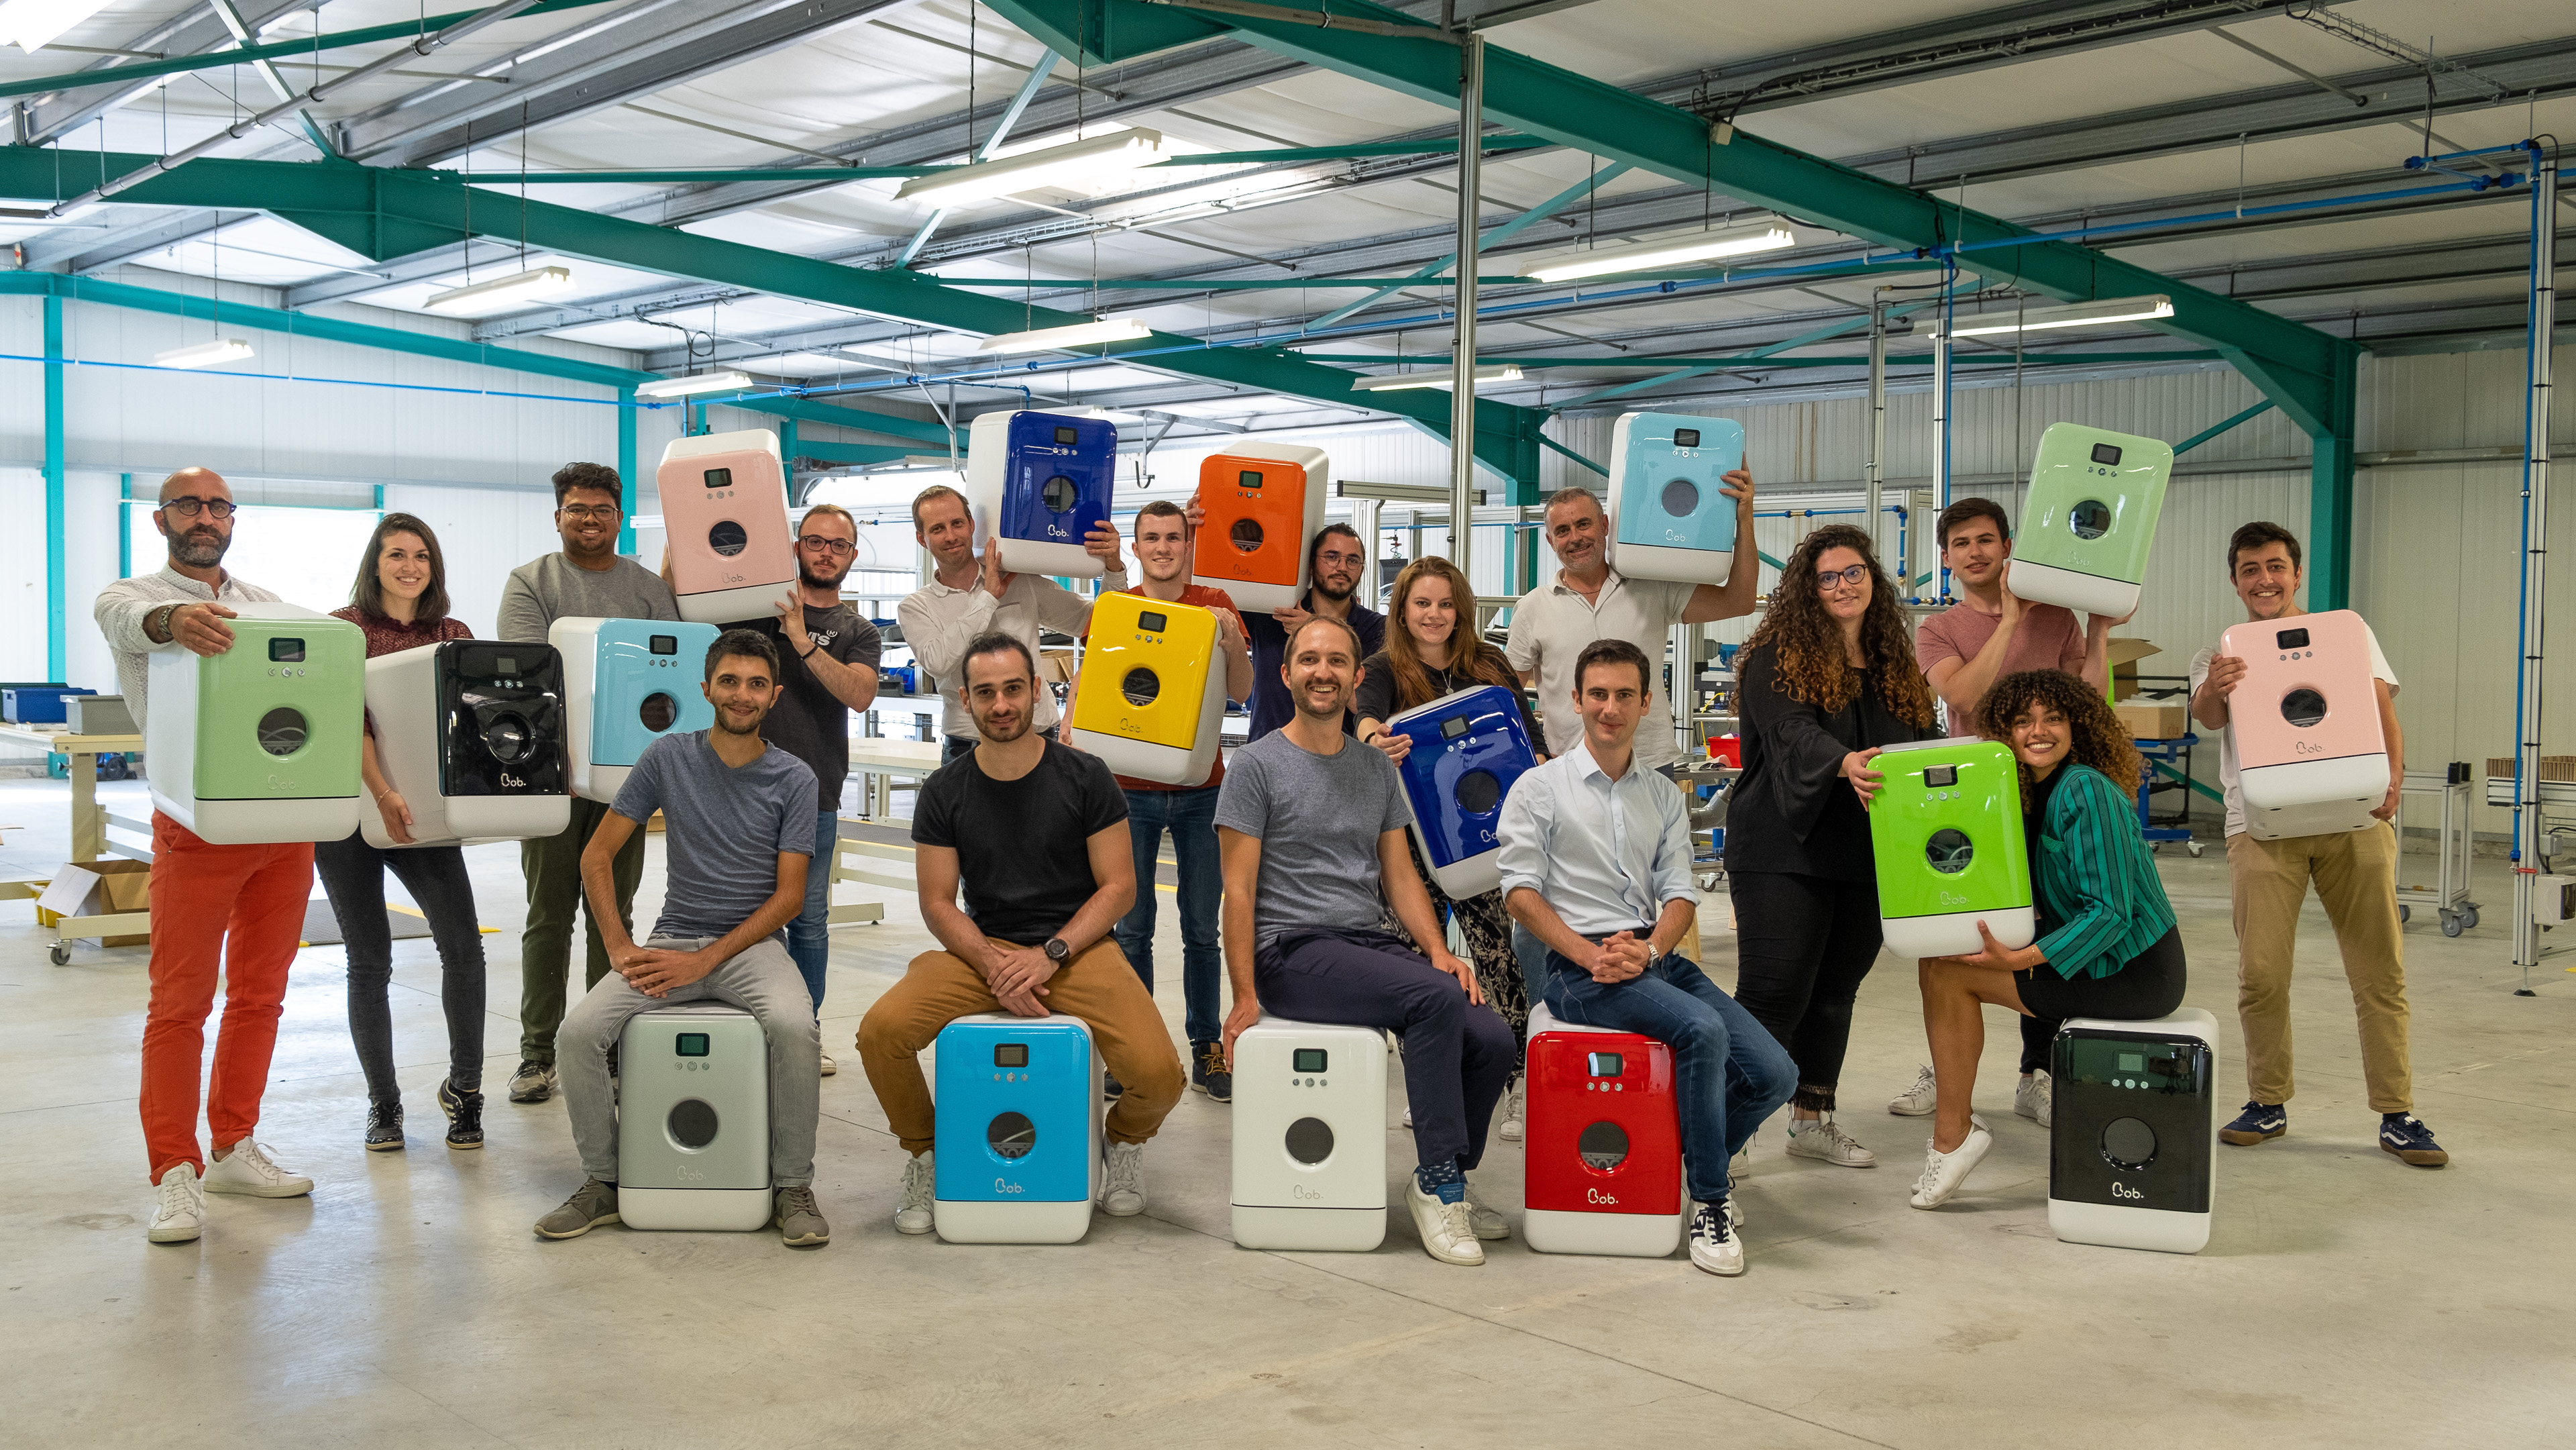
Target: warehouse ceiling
(2262, 144)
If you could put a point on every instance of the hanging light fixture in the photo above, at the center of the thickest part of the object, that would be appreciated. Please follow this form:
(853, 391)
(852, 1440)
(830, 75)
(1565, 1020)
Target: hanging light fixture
(502, 293)
(2079, 314)
(1398, 382)
(204, 354)
(1706, 247)
(723, 381)
(1073, 166)
(31, 25)
(1073, 335)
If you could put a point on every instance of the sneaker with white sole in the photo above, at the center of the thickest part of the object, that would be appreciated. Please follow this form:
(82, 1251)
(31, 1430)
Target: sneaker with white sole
(828, 1066)
(1447, 1233)
(2034, 1098)
(1408, 1116)
(1734, 1210)
(1122, 1180)
(1740, 1167)
(1714, 1245)
(1918, 1100)
(913, 1215)
(1943, 1173)
(534, 1082)
(1513, 1129)
(1487, 1223)
(247, 1168)
(181, 1214)
(798, 1220)
(592, 1204)
(1826, 1142)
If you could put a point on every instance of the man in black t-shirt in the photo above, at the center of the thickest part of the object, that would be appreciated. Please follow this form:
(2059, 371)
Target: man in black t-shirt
(827, 664)
(1037, 835)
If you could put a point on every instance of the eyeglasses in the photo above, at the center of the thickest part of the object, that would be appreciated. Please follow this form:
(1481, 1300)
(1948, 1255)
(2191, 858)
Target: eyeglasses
(581, 511)
(1827, 578)
(837, 547)
(186, 506)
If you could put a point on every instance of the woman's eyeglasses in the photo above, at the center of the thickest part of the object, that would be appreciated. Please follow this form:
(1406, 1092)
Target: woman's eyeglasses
(1827, 578)
(840, 548)
(186, 506)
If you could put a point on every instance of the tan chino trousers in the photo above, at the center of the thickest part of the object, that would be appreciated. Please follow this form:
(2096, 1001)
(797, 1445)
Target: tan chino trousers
(2355, 874)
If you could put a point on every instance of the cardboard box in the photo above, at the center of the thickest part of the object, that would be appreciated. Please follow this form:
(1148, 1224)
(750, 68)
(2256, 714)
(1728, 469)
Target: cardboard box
(98, 888)
(2552, 767)
(1056, 666)
(2124, 655)
(2153, 719)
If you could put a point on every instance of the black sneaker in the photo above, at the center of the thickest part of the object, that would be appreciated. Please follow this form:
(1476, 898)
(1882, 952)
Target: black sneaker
(2405, 1135)
(384, 1127)
(464, 1111)
(534, 1082)
(2258, 1122)
(1109, 1087)
(1208, 1072)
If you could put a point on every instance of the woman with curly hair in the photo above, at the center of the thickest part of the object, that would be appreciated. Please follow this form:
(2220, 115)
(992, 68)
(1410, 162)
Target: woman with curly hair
(1826, 681)
(2107, 943)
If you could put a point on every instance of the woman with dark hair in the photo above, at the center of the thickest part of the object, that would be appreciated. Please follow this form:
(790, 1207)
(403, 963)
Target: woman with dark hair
(2107, 943)
(1826, 681)
(400, 601)
(1433, 650)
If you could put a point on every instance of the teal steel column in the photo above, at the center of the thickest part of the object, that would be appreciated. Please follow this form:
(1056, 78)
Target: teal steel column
(2330, 494)
(55, 581)
(626, 468)
(787, 460)
(124, 526)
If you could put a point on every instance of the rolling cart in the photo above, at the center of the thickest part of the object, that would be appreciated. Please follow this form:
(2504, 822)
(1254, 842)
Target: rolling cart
(2175, 754)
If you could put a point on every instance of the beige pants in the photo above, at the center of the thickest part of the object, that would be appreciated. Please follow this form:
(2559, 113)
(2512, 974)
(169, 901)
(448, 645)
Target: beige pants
(2355, 873)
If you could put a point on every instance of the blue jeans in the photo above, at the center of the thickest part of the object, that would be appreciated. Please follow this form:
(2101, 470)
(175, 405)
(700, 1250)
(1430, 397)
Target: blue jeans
(809, 936)
(1190, 815)
(1731, 1073)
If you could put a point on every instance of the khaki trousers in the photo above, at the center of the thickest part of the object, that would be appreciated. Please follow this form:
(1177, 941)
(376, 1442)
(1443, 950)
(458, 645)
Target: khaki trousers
(2355, 873)
(1097, 986)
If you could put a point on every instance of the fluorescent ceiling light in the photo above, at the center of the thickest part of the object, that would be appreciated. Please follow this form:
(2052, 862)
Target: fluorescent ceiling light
(1730, 242)
(31, 25)
(2079, 314)
(1059, 339)
(1074, 166)
(502, 293)
(724, 381)
(204, 354)
(1397, 382)
(1106, 415)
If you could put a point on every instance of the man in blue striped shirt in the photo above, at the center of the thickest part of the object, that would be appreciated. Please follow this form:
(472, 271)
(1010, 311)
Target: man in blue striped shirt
(1597, 865)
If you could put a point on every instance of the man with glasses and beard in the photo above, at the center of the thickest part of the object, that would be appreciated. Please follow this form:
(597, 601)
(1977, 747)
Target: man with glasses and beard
(587, 579)
(828, 667)
(237, 911)
(1334, 560)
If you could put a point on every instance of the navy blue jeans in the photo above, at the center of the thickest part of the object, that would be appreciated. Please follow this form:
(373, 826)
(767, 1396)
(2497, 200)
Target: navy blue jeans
(1457, 1057)
(1190, 815)
(809, 934)
(1730, 1073)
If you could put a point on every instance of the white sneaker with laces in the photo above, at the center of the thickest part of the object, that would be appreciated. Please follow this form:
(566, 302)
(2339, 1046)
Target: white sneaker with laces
(1513, 1129)
(827, 1066)
(1447, 1233)
(248, 1169)
(1486, 1223)
(2034, 1096)
(912, 1216)
(1916, 1101)
(1714, 1245)
(1122, 1180)
(1944, 1173)
(1824, 1140)
(181, 1216)
(1734, 1211)
(1408, 1115)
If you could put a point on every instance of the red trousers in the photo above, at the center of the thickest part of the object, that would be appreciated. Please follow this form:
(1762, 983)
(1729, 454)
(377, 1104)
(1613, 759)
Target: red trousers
(210, 903)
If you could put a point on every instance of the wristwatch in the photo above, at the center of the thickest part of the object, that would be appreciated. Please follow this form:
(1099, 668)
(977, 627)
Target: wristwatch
(1056, 950)
(161, 617)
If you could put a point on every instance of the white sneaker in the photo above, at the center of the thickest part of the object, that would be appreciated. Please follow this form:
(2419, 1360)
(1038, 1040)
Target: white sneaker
(182, 1214)
(249, 1169)
(1122, 1180)
(1734, 1209)
(1943, 1173)
(827, 1066)
(1740, 1167)
(1486, 1223)
(1408, 1115)
(1714, 1245)
(1513, 1130)
(1826, 1142)
(912, 1216)
(2034, 1096)
(1447, 1234)
(1916, 1101)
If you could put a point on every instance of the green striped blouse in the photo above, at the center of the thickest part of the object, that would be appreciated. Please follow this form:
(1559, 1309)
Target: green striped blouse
(2096, 877)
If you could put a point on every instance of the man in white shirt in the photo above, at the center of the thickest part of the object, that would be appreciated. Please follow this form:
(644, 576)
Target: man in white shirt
(1589, 600)
(2355, 873)
(1596, 864)
(968, 597)
(233, 911)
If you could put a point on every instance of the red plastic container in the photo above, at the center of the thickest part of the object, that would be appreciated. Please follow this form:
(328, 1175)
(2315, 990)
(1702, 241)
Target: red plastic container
(1728, 749)
(1604, 1147)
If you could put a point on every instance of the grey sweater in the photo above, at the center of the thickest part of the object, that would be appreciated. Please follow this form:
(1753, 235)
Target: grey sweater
(553, 587)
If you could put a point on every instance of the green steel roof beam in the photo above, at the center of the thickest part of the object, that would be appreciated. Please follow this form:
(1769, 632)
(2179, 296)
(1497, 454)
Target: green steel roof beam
(1503, 233)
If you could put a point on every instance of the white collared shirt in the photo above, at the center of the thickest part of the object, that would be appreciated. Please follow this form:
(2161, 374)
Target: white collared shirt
(1604, 854)
(1552, 623)
(939, 622)
(121, 609)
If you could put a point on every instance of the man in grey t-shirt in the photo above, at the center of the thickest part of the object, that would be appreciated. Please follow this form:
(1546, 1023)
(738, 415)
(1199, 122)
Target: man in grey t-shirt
(741, 839)
(586, 580)
(1310, 829)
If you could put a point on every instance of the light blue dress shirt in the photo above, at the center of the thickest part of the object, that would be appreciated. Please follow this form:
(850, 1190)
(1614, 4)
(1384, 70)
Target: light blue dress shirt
(1605, 854)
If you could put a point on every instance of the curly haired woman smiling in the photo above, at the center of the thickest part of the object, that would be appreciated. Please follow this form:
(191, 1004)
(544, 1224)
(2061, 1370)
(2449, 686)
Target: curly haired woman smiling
(1827, 679)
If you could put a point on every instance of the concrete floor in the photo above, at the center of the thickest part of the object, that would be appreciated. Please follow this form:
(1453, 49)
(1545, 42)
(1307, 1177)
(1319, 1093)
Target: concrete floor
(2345, 1299)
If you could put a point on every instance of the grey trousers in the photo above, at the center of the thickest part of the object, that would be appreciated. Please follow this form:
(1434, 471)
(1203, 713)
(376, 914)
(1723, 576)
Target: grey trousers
(764, 982)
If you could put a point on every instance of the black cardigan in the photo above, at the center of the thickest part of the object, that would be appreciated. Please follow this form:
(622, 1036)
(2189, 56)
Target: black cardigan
(1791, 811)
